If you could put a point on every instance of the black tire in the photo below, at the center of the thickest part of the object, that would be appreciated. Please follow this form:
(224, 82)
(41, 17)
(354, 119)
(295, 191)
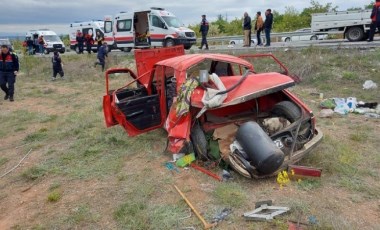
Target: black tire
(187, 47)
(288, 110)
(199, 142)
(232, 43)
(314, 38)
(287, 39)
(169, 42)
(127, 49)
(62, 51)
(292, 113)
(354, 34)
(109, 49)
(252, 42)
(46, 51)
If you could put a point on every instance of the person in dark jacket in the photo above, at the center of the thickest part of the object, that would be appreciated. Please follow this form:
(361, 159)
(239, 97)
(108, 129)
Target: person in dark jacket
(89, 42)
(247, 26)
(30, 45)
(102, 54)
(9, 67)
(204, 30)
(268, 25)
(80, 41)
(57, 66)
(375, 17)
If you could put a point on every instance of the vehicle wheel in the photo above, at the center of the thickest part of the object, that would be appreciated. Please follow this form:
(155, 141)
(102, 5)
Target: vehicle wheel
(128, 49)
(292, 113)
(252, 42)
(314, 38)
(109, 48)
(169, 42)
(62, 51)
(287, 39)
(232, 43)
(187, 47)
(46, 51)
(199, 142)
(354, 34)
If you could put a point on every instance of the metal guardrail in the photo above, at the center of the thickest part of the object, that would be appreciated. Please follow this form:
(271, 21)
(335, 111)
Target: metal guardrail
(274, 36)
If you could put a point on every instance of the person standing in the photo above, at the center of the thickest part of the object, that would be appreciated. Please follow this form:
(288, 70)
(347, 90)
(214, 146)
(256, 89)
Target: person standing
(29, 44)
(102, 54)
(41, 44)
(259, 27)
(247, 26)
(57, 66)
(9, 67)
(268, 25)
(204, 31)
(89, 42)
(80, 41)
(99, 40)
(375, 18)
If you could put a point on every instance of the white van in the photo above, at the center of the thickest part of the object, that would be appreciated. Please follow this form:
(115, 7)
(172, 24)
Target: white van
(89, 27)
(153, 27)
(53, 42)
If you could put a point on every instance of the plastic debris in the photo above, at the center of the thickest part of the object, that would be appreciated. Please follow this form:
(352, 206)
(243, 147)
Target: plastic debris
(226, 175)
(313, 220)
(369, 84)
(222, 215)
(282, 178)
(171, 167)
(372, 115)
(328, 104)
(185, 160)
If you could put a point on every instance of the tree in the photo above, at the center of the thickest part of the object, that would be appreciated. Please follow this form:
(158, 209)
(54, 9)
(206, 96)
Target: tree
(291, 20)
(369, 6)
(316, 7)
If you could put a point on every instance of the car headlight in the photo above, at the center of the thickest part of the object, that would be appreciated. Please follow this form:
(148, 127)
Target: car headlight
(181, 34)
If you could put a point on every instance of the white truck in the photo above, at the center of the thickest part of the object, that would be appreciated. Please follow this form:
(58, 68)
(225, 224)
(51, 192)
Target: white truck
(53, 42)
(154, 27)
(353, 24)
(86, 27)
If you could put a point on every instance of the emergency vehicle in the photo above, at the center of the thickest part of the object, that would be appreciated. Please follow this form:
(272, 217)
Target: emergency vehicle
(154, 27)
(88, 27)
(52, 41)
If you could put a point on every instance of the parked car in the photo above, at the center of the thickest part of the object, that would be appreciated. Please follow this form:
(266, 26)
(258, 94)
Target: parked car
(6, 41)
(241, 41)
(196, 96)
(305, 36)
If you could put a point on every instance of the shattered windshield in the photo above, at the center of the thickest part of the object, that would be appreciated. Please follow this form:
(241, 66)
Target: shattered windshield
(172, 21)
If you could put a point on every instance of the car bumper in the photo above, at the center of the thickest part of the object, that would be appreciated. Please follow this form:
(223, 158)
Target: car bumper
(185, 41)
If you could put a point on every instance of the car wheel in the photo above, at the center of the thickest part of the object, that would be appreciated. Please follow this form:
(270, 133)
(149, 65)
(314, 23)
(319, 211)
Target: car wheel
(199, 142)
(292, 113)
(62, 51)
(313, 38)
(355, 34)
(232, 43)
(169, 42)
(252, 42)
(127, 49)
(287, 39)
(187, 47)
(46, 51)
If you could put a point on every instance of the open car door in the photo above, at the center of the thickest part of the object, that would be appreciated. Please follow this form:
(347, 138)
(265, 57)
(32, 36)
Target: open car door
(134, 106)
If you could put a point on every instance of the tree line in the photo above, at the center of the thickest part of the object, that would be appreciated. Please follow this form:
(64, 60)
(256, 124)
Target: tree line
(290, 20)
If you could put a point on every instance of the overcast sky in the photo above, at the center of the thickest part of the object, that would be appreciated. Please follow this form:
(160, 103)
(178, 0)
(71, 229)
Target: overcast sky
(18, 16)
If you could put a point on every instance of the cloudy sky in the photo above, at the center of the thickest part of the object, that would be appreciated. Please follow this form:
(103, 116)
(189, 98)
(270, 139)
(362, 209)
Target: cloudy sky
(22, 15)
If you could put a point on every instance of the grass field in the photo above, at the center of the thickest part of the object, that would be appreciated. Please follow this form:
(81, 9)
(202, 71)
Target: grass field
(81, 175)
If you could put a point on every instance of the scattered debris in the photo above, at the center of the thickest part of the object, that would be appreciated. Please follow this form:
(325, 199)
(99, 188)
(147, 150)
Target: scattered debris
(313, 220)
(226, 175)
(369, 84)
(222, 215)
(297, 172)
(171, 167)
(205, 171)
(372, 115)
(283, 178)
(185, 160)
(265, 212)
(205, 224)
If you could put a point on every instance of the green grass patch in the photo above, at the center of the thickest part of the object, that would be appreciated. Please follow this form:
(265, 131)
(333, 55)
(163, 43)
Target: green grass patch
(34, 173)
(230, 194)
(3, 160)
(309, 185)
(54, 196)
(37, 136)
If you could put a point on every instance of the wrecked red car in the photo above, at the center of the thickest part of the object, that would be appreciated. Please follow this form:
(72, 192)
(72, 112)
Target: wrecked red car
(202, 99)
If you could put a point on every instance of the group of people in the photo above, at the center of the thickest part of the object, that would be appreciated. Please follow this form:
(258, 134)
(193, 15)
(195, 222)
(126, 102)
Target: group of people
(35, 45)
(87, 39)
(260, 25)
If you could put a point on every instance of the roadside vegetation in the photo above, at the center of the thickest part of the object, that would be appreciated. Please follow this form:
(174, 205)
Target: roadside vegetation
(290, 20)
(82, 175)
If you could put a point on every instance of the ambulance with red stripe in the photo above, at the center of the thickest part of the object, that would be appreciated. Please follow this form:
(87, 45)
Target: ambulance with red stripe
(154, 27)
(87, 27)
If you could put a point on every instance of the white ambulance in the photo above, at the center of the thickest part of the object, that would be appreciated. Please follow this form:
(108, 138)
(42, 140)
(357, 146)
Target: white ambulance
(153, 27)
(53, 42)
(88, 27)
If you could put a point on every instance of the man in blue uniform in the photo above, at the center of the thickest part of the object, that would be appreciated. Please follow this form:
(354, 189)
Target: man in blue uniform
(9, 67)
